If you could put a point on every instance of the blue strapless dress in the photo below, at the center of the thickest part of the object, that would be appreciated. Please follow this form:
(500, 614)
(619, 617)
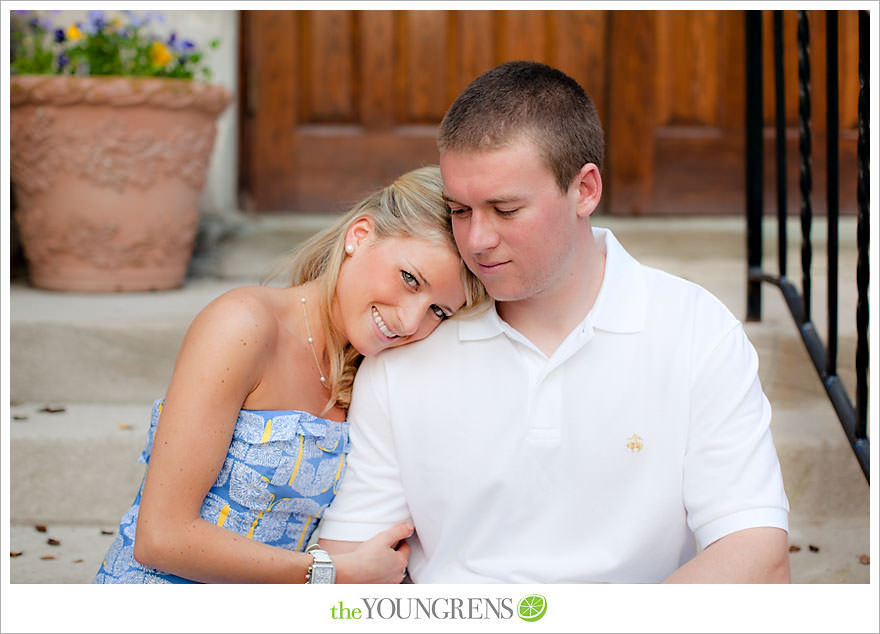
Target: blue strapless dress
(281, 472)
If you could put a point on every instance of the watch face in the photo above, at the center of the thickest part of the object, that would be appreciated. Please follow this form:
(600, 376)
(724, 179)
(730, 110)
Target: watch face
(322, 574)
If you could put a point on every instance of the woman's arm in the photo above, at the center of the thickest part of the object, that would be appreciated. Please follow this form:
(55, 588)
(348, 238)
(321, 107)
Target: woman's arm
(220, 362)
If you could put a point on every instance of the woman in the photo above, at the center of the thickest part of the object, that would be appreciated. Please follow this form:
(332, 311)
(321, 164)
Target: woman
(251, 442)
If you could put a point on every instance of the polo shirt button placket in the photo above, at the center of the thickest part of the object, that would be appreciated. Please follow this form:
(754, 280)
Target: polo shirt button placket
(546, 407)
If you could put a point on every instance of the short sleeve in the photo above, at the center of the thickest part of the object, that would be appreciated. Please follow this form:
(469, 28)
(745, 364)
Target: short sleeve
(370, 497)
(732, 478)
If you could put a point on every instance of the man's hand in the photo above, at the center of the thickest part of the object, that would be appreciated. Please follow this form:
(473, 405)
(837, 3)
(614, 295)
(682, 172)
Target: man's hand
(753, 555)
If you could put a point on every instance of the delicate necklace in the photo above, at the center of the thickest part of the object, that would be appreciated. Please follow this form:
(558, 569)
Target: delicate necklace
(312, 344)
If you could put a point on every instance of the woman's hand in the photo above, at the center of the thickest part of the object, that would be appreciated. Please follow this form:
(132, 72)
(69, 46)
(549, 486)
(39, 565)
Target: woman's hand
(381, 559)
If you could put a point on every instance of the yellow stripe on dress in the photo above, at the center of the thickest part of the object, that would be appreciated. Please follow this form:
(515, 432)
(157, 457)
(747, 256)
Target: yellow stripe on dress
(299, 457)
(267, 431)
(224, 513)
(250, 534)
(303, 534)
(338, 473)
(336, 478)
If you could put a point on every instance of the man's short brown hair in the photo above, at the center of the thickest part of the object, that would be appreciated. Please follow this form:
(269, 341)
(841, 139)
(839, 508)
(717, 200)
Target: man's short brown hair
(529, 99)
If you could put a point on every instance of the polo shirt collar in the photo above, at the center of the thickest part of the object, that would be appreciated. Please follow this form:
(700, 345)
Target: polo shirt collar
(620, 305)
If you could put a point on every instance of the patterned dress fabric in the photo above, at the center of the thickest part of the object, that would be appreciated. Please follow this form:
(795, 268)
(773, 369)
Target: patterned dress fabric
(280, 474)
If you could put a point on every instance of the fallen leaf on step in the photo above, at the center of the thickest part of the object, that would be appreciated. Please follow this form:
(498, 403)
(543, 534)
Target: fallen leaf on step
(77, 561)
(41, 528)
(19, 417)
(106, 532)
(793, 548)
(814, 549)
(47, 557)
(125, 426)
(13, 553)
(864, 559)
(53, 542)
(53, 409)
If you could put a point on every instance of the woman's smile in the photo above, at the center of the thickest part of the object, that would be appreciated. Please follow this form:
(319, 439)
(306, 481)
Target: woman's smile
(384, 330)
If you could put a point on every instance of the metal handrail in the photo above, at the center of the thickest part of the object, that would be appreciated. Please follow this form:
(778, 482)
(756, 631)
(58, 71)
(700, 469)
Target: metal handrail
(853, 419)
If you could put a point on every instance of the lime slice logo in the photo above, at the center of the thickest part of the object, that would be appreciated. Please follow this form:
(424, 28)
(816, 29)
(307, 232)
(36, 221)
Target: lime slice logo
(532, 608)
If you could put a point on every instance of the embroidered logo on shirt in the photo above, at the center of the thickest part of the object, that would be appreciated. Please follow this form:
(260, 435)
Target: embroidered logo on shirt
(634, 443)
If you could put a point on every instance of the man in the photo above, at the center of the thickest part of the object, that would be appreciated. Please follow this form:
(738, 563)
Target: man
(602, 422)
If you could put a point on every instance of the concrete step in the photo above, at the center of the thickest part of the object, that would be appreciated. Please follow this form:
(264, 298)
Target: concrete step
(78, 465)
(114, 348)
(74, 559)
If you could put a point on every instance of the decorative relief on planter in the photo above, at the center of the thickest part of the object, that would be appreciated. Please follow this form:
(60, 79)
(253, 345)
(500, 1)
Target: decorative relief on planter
(108, 173)
(120, 156)
(75, 239)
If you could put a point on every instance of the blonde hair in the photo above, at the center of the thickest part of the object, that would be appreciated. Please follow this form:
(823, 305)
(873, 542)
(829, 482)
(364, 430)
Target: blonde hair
(411, 206)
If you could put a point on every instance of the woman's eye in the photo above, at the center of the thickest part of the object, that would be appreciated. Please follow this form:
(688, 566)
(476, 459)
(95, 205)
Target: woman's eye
(409, 279)
(441, 315)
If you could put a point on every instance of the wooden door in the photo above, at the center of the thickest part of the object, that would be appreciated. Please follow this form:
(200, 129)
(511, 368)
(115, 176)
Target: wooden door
(337, 103)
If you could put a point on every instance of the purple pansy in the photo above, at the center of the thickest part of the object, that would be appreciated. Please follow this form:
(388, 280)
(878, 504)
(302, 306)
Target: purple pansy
(97, 19)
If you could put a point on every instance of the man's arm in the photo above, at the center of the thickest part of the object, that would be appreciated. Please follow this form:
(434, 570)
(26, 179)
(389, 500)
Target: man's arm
(752, 555)
(337, 546)
(370, 497)
(732, 482)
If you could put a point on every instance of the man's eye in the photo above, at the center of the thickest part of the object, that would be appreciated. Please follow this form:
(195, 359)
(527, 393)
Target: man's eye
(506, 212)
(409, 279)
(441, 315)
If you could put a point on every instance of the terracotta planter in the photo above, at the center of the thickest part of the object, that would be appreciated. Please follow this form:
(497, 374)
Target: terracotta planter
(107, 174)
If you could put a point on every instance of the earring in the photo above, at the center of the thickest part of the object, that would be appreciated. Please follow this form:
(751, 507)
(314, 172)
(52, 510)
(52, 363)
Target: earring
(349, 248)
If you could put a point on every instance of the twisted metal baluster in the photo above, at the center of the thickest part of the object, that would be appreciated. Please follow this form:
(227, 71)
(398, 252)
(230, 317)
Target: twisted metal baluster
(862, 231)
(832, 188)
(781, 147)
(805, 146)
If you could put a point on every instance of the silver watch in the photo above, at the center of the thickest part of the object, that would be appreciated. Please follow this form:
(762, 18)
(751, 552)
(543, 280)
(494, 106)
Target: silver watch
(322, 569)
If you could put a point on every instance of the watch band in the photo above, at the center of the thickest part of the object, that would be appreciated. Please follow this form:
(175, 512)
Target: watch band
(322, 569)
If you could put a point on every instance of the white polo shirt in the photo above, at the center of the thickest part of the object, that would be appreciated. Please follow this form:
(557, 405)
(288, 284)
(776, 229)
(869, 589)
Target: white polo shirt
(646, 428)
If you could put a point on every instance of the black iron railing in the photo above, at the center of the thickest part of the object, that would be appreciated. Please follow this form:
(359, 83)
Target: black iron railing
(854, 419)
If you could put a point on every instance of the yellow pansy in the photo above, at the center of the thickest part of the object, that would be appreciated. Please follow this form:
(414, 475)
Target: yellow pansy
(73, 32)
(159, 54)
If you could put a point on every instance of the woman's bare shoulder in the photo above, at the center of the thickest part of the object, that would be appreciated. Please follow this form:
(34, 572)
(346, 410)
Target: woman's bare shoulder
(249, 313)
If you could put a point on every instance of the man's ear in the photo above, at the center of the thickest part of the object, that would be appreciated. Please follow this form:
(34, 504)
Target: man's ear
(359, 230)
(589, 189)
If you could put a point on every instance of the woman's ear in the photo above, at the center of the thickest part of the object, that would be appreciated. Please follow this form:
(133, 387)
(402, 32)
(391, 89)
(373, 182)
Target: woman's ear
(358, 231)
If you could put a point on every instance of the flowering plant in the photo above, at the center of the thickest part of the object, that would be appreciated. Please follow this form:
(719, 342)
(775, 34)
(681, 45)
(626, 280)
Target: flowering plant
(102, 46)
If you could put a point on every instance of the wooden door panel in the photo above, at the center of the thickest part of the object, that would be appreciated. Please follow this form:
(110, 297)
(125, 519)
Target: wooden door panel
(327, 81)
(423, 66)
(376, 69)
(338, 103)
(341, 102)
